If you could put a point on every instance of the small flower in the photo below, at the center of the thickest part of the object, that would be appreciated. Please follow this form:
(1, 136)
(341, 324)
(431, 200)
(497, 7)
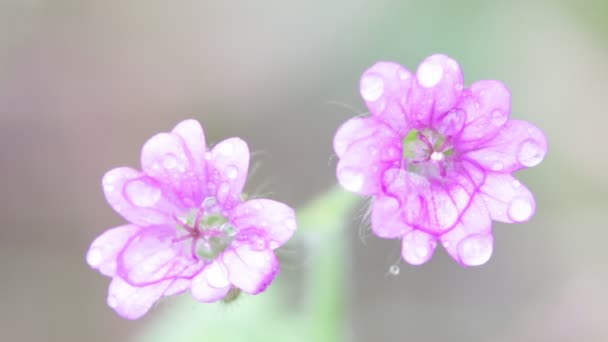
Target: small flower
(189, 226)
(437, 159)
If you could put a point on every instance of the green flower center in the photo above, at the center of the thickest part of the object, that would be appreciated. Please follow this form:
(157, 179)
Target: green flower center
(427, 152)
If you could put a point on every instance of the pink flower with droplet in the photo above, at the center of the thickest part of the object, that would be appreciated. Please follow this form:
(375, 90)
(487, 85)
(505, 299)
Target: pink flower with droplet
(437, 159)
(190, 227)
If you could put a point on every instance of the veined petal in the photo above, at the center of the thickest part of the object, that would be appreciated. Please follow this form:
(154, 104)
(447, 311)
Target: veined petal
(105, 248)
(227, 170)
(385, 88)
(417, 247)
(138, 198)
(133, 302)
(275, 218)
(519, 144)
(507, 199)
(250, 270)
(193, 137)
(387, 221)
(439, 83)
(470, 242)
(211, 284)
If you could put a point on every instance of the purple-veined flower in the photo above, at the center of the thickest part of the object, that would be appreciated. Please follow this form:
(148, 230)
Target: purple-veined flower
(437, 159)
(190, 227)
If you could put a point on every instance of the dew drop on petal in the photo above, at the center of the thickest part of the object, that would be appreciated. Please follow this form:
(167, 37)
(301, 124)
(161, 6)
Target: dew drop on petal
(232, 172)
(394, 270)
(290, 224)
(403, 74)
(223, 190)
(530, 153)
(498, 117)
(351, 180)
(429, 74)
(227, 149)
(520, 209)
(497, 166)
(142, 194)
(475, 250)
(94, 257)
(372, 87)
(112, 302)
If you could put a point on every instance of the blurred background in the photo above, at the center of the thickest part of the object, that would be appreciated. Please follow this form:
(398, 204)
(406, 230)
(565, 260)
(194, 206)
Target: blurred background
(84, 83)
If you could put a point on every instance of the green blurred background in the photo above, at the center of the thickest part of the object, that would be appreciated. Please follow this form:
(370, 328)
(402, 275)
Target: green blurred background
(84, 83)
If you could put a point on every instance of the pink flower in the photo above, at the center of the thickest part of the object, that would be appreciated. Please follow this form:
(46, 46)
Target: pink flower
(438, 159)
(190, 228)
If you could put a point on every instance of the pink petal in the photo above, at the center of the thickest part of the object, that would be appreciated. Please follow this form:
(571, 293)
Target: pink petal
(360, 168)
(386, 218)
(507, 199)
(417, 247)
(439, 83)
(518, 145)
(178, 286)
(385, 87)
(211, 284)
(138, 198)
(105, 248)
(166, 158)
(227, 170)
(470, 242)
(191, 133)
(275, 218)
(487, 105)
(133, 302)
(153, 255)
(251, 270)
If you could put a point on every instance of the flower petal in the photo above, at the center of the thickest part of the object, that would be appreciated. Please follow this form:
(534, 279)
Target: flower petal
(153, 255)
(386, 218)
(133, 302)
(166, 158)
(211, 284)
(487, 105)
(385, 87)
(507, 199)
(105, 248)
(139, 199)
(518, 145)
(470, 242)
(227, 170)
(250, 270)
(439, 83)
(275, 218)
(191, 133)
(417, 247)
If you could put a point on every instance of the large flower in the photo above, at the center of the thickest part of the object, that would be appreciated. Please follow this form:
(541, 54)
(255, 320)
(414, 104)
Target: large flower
(190, 227)
(437, 158)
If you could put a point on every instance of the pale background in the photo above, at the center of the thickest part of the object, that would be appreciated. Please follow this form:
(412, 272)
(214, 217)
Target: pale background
(84, 83)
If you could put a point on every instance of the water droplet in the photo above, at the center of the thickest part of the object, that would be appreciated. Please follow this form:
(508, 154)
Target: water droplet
(257, 205)
(351, 179)
(94, 257)
(209, 203)
(112, 302)
(403, 74)
(498, 117)
(227, 149)
(228, 229)
(290, 224)
(475, 250)
(373, 150)
(520, 209)
(372, 87)
(222, 192)
(497, 166)
(394, 270)
(232, 172)
(458, 86)
(429, 74)
(169, 161)
(142, 194)
(530, 153)
(516, 184)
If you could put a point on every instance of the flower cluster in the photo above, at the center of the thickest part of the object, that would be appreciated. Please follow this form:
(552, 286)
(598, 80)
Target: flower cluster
(437, 159)
(190, 227)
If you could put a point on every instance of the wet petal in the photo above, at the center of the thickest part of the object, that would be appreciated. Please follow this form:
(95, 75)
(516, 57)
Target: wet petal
(227, 170)
(417, 247)
(487, 105)
(470, 242)
(133, 302)
(153, 255)
(191, 133)
(251, 270)
(518, 145)
(386, 218)
(439, 83)
(275, 218)
(104, 250)
(211, 284)
(385, 88)
(507, 199)
(139, 199)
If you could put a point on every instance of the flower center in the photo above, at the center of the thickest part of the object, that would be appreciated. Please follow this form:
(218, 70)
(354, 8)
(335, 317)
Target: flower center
(426, 152)
(206, 230)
